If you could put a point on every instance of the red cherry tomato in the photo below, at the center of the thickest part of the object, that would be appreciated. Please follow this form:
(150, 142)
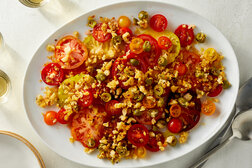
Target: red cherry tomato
(52, 74)
(145, 118)
(123, 30)
(151, 58)
(215, 92)
(87, 126)
(181, 68)
(110, 108)
(61, 117)
(70, 52)
(138, 135)
(164, 42)
(152, 143)
(50, 117)
(185, 35)
(158, 23)
(99, 35)
(175, 125)
(86, 99)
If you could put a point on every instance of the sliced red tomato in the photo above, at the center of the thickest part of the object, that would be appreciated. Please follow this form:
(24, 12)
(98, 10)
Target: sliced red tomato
(150, 57)
(86, 99)
(152, 143)
(145, 118)
(185, 35)
(99, 35)
(124, 30)
(164, 42)
(138, 135)
(110, 108)
(190, 59)
(70, 52)
(158, 22)
(175, 125)
(181, 68)
(52, 74)
(61, 117)
(87, 126)
(216, 91)
(50, 117)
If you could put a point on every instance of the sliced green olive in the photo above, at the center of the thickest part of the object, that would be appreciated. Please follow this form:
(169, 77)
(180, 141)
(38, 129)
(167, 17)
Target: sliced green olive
(135, 20)
(182, 101)
(106, 97)
(226, 84)
(117, 40)
(100, 76)
(92, 23)
(200, 37)
(147, 46)
(158, 90)
(143, 15)
(91, 143)
(149, 81)
(139, 97)
(134, 62)
(162, 61)
(137, 112)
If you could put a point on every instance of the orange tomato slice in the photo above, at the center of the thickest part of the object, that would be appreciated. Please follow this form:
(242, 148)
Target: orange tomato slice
(175, 110)
(208, 107)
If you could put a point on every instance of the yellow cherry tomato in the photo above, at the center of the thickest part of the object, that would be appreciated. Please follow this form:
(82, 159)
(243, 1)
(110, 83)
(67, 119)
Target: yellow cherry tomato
(124, 21)
(208, 107)
(136, 45)
(140, 152)
(211, 54)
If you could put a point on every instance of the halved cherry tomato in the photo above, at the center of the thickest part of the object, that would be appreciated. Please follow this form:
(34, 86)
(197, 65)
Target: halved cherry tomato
(140, 152)
(50, 117)
(145, 118)
(70, 52)
(164, 42)
(110, 108)
(175, 125)
(216, 91)
(152, 143)
(175, 110)
(87, 126)
(149, 103)
(158, 22)
(208, 107)
(138, 135)
(124, 21)
(123, 30)
(61, 117)
(150, 57)
(136, 45)
(99, 35)
(86, 99)
(52, 74)
(181, 68)
(185, 35)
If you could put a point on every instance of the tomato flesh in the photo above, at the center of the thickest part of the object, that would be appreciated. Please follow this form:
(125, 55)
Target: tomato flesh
(124, 30)
(61, 116)
(216, 91)
(99, 35)
(181, 68)
(164, 42)
(86, 99)
(185, 35)
(138, 135)
(145, 118)
(158, 22)
(52, 74)
(50, 117)
(110, 108)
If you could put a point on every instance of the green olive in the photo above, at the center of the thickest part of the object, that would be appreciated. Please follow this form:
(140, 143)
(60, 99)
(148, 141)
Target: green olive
(100, 76)
(91, 143)
(155, 128)
(106, 97)
(149, 81)
(226, 84)
(117, 40)
(147, 46)
(135, 20)
(137, 112)
(139, 97)
(201, 37)
(143, 15)
(134, 62)
(162, 61)
(158, 90)
(182, 101)
(92, 23)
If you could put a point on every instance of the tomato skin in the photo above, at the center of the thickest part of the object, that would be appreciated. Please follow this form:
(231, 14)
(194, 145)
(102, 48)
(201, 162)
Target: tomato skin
(138, 135)
(124, 21)
(99, 35)
(185, 35)
(78, 52)
(145, 118)
(181, 68)
(216, 91)
(61, 116)
(52, 68)
(50, 117)
(123, 30)
(111, 110)
(136, 45)
(87, 99)
(158, 22)
(164, 42)
(152, 143)
(175, 125)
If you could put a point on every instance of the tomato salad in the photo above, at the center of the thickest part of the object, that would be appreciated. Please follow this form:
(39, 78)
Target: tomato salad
(131, 86)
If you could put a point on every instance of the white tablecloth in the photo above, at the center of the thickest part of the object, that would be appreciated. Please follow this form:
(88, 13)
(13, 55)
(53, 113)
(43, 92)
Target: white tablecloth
(24, 29)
